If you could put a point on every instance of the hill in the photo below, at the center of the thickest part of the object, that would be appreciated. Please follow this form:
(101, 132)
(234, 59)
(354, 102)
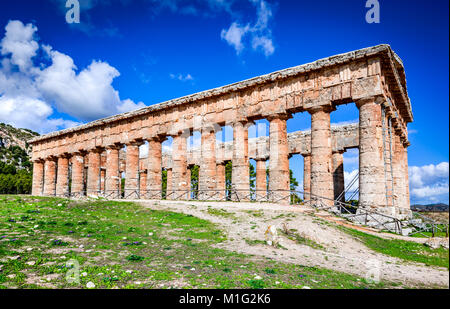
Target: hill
(15, 165)
(440, 207)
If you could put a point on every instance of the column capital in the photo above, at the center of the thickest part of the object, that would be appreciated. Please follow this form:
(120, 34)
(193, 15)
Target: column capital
(96, 150)
(155, 138)
(340, 151)
(51, 158)
(328, 108)
(115, 146)
(378, 99)
(244, 122)
(281, 116)
(38, 160)
(136, 142)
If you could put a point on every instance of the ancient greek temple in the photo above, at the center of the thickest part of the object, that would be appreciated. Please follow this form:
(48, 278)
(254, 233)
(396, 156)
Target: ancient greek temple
(92, 159)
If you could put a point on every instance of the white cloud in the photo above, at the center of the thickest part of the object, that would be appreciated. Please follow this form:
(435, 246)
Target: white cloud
(30, 96)
(259, 34)
(181, 77)
(429, 183)
(18, 42)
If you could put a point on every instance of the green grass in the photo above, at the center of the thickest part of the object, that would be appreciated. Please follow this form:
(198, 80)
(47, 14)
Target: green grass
(406, 250)
(121, 244)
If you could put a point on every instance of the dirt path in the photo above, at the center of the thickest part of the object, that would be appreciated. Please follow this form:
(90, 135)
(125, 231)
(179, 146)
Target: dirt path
(341, 252)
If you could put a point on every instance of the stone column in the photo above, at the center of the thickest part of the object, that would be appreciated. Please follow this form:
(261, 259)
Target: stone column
(169, 190)
(241, 173)
(220, 184)
(321, 175)
(50, 177)
(112, 176)
(306, 177)
(38, 178)
(62, 181)
(179, 167)
(372, 190)
(142, 184)
(132, 171)
(93, 176)
(207, 172)
(400, 172)
(261, 180)
(77, 174)
(279, 159)
(154, 171)
(407, 204)
(338, 175)
(102, 180)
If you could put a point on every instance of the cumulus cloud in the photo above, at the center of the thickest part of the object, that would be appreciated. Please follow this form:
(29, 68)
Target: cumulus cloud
(429, 183)
(31, 91)
(259, 33)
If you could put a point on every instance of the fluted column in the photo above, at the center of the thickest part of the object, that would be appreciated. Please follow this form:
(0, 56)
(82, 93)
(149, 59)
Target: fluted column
(240, 174)
(154, 169)
(62, 181)
(132, 170)
(179, 167)
(112, 176)
(50, 177)
(207, 183)
(77, 174)
(38, 178)
(220, 177)
(261, 179)
(372, 190)
(279, 158)
(93, 177)
(338, 175)
(321, 175)
(188, 179)
(306, 177)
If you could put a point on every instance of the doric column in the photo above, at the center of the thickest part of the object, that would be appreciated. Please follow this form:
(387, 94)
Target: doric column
(306, 177)
(38, 178)
(338, 175)
(207, 172)
(279, 158)
(169, 188)
(154, 169)
(62, 181)
(93, 176)
(102, 180)
(372, 189)
(321, 175)
(132, 170)
(261, 179)
(50, 176)
(112, 176)
(220, 177)
(179, 166)
(407, 204)
(77, 174)
(142, 184)
(240, 174)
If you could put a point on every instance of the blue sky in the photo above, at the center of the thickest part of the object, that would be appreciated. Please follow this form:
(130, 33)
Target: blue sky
(131, 53)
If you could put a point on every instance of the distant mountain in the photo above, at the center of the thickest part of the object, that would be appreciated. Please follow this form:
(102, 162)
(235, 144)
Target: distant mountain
(439, 207)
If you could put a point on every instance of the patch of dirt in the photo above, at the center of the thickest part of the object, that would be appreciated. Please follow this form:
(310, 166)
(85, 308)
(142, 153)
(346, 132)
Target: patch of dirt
(341, 252)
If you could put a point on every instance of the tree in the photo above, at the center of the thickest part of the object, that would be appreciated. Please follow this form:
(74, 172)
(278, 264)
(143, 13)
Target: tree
(293, 184)
(194, 181)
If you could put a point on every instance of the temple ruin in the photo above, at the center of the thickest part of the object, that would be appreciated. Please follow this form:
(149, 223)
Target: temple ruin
(87, 160)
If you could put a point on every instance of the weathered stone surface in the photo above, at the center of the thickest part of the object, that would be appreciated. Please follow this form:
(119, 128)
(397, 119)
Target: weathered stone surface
(279, 156)
(154, 169)
(132, 171)
(62, 181)
(261, 180)
(372, 189)
(307, 177)
(38, 178)
(321, 175)
(50, 177)
(207, 174)
(77, 174)
(240, 173)
(93, 176)
(112, 176)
